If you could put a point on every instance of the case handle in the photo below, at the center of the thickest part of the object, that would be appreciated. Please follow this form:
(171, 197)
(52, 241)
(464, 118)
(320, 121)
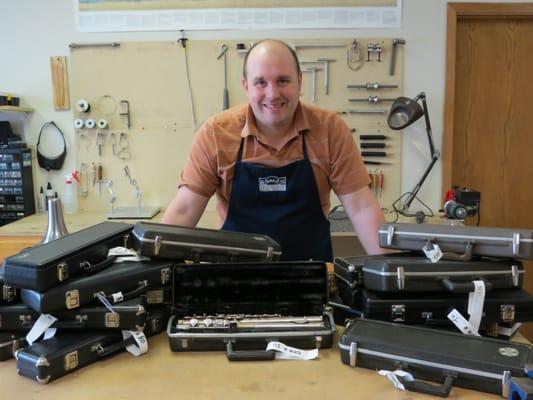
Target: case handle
(463, 287)
(249, 355)
(143, 286)
(89, 268)
(113, 348)
(442, 390)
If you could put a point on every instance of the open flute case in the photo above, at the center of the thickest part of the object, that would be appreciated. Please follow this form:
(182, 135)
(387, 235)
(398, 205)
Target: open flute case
(241, 307)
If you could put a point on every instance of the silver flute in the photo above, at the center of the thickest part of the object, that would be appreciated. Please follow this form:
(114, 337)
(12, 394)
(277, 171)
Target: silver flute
(248, 321)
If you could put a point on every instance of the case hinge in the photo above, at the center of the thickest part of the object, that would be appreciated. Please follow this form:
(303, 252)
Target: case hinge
(72, 299)
(157, 244)
(70, 360)
(515, 274)
(62, 271)
(353, 354)
(318, 342)
(398, 313)
(112, 320)
(516, 243)
(400, 277)
(507, 312)
(390, 234)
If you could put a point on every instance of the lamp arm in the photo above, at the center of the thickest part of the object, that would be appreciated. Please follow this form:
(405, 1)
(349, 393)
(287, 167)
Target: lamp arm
(434, 154)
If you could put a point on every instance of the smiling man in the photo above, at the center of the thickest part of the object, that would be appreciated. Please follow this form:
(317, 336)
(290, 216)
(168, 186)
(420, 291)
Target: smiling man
(273, 162)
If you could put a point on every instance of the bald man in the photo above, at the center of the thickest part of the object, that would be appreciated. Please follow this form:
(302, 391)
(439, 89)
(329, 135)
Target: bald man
(273, 162)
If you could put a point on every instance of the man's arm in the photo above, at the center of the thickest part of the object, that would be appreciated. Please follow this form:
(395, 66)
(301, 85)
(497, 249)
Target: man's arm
(185, 209)
(365, 215)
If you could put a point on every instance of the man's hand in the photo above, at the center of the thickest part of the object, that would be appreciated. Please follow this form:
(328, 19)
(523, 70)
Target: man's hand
(185, 209)
(365, 215)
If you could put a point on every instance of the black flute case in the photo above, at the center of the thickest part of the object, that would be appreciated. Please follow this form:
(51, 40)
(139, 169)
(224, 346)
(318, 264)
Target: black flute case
(419, 274)
(129, 278)
(69, 351)
(500, 306)
(445, 357)
(44, 266)
(240, 308)
(9, 343)
(196, 244)
(459, 241)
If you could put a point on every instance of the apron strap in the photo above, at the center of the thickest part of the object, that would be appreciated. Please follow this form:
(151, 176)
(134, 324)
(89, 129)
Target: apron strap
(241, 147)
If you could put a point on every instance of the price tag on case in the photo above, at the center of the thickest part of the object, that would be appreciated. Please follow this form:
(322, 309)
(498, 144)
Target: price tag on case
(141, 343)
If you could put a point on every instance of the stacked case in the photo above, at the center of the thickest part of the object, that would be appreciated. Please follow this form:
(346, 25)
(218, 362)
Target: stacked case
(395, 301)
(95, 296)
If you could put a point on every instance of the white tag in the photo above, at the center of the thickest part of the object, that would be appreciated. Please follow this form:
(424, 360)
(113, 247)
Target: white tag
(141, 345)
(284, 352)
(461, 323)
(117, 297)
(476, 299)
(393, 377)
(434, 254)
(50, 333)
(123, 254)
(40, 326)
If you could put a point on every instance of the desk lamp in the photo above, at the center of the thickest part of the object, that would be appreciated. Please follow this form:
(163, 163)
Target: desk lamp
(404, 111)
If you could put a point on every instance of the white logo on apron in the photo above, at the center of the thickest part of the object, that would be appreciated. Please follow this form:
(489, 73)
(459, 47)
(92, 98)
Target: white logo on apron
(273, 184)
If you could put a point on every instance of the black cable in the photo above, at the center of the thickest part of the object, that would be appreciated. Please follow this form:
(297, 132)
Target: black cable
(407, 214)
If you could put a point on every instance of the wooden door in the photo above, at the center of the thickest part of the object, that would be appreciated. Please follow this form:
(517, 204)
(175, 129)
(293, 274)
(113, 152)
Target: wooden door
(490, 143)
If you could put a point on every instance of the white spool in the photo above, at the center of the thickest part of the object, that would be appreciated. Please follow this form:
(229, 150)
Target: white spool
(83, 106)
(102, 123)
(90, 123)
(78, 123)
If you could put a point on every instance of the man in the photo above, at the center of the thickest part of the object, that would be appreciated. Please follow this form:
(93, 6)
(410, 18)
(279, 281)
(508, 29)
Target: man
(273, 162)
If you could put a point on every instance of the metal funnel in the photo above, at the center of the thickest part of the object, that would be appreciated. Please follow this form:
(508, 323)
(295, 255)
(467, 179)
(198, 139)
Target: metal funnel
(56, 222)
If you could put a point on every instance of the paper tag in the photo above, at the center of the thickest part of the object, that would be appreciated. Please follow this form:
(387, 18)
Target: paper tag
(123, 254)
(461, 323)
(117, 297)
(476, 300)
(434, 253)
(50, 333)
(40, 326)
(141, 343)
(393, 377)
(284, 352)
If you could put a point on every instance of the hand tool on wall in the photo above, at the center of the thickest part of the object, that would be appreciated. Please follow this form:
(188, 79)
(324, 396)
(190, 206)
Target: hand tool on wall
(113, 142)
(112, 198)
(372, 145)
(372, 162)
(99, 143)
(123, 152)
(374, 48)
(125, 112)
(183, 41)
(372, 137)
(362, 111)
(354, 56)
(225, 94)
(87, 45)
(84, 179)
(313, 71)
(297, 46)
(372, 86)
(395, 44)
(326, 62)
(373, 154)
(371, 99)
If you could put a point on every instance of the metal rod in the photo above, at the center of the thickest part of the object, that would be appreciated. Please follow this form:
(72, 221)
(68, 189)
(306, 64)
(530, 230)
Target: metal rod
(83, 45)
(362, 111)
(372, 85)
(296, 46)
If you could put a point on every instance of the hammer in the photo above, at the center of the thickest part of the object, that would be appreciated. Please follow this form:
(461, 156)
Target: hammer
(395, 44)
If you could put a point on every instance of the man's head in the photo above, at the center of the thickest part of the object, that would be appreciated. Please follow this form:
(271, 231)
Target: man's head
(272, 80)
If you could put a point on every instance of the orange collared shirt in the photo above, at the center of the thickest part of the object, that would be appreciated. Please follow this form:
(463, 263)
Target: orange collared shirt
(334, 156)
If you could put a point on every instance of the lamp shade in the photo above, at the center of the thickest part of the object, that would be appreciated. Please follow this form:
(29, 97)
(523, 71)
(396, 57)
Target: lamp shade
(403, 112)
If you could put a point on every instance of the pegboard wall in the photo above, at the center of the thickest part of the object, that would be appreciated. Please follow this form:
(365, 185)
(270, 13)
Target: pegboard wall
(148, 80)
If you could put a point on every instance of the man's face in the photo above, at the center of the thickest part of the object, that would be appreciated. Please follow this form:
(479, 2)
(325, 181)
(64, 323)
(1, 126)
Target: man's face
(272, 86)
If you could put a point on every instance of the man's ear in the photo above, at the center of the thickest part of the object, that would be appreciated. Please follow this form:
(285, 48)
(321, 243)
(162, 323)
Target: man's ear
(244, 83)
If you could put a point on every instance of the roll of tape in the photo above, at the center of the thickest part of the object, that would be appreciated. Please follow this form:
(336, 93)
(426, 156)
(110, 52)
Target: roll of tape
(102, 123)
(78, 123)
(90, 123)
(83, 106)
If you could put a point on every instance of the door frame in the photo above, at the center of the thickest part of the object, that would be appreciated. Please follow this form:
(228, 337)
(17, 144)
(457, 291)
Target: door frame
(455, 11)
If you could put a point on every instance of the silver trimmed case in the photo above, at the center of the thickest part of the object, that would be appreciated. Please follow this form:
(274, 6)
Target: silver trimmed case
(459, 242)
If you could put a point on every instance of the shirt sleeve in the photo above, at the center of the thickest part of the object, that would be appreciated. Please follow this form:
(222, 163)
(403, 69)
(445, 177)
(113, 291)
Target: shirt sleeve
(200, 171)
(348, 173)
